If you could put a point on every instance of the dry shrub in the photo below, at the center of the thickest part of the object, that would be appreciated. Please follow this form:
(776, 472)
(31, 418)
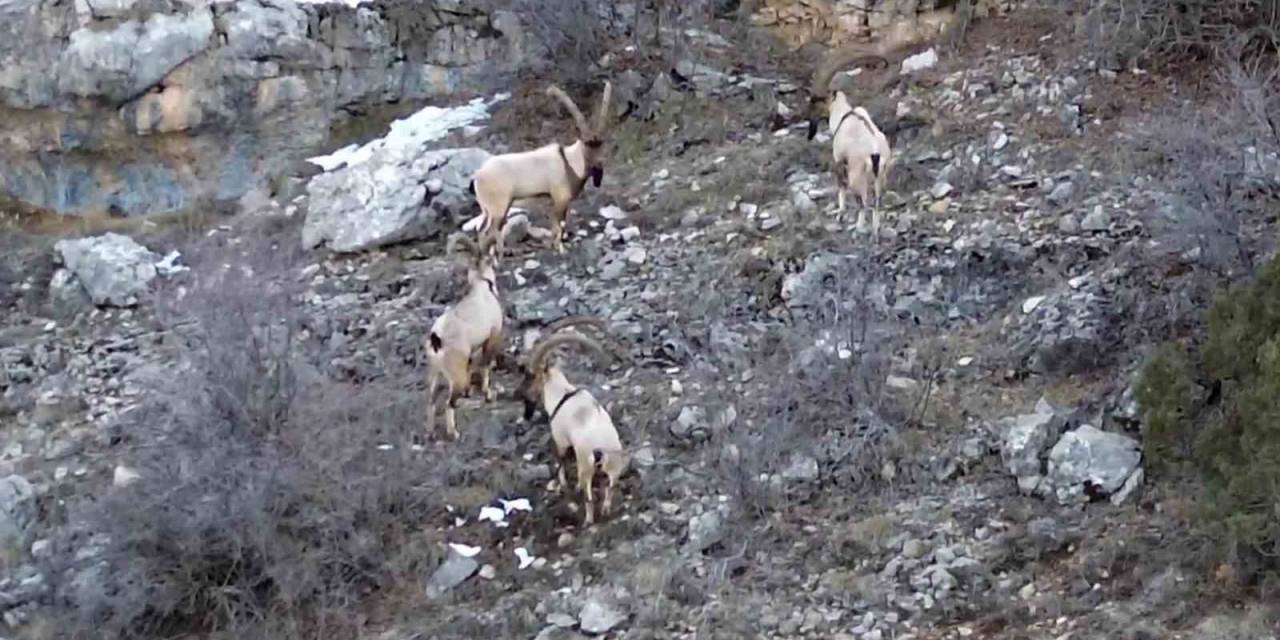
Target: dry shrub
(271, 500)
(1129, 32)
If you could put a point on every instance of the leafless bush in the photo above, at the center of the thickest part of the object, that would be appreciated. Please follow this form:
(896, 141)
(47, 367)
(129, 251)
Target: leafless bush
(1218, 171)
(822, 397)
(1127, 32)
(271, 500)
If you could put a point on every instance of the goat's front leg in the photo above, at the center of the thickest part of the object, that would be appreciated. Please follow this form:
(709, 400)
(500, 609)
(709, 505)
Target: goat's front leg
(586, 469)
(433, 381)
(559, 213)
(450, 419)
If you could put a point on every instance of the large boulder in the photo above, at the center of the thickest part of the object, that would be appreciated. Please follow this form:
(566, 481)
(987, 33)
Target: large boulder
(112, 267)
(1089, 462)
(389, 199)
(1023, 442)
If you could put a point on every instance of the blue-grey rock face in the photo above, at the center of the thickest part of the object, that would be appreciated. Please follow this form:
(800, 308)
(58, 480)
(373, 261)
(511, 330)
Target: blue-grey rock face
(116, 102)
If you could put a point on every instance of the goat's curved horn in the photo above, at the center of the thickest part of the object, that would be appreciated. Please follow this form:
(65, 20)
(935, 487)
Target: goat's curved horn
(578, 118)
(543, 349)
(602, 118)
(838, 61)
(573, 321)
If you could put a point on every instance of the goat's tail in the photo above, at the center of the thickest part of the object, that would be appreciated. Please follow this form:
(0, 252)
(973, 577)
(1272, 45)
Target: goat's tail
(436, 342)
(875, 164)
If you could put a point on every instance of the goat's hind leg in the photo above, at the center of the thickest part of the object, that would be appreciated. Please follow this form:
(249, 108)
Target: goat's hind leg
(842, 184)
(488, 354)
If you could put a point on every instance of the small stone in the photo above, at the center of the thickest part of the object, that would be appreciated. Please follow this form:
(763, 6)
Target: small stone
(562, 620)
(630, 233)
(913, 549)
(676, 388)
(434, 185)
(1097, 220)
(1067, 224)
(939, 207)
(920, 61)
(564, 540)
(1030, 304)
(1062, 193)
(451, 573)
(644, 457)
(1001, 141)
(770, 223)
(1028, 591)
(597, 617)
(613, 212)
(637, 255)
(488, 572)
(123, 476)
(705, 530)
(941, 190)
(802, 469)
(41, 549)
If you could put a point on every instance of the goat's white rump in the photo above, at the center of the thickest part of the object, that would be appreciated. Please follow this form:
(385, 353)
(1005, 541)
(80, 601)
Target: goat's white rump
(861, 159)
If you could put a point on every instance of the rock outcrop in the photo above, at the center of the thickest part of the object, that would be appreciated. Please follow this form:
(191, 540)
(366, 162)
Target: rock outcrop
(113, 268)
(158, 106)
(839, 21)
(390, 198)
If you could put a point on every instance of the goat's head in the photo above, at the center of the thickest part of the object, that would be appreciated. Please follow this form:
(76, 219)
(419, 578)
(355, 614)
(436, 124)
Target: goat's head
(822, 96)
(480, 258)
(536, 370)
(592, 138)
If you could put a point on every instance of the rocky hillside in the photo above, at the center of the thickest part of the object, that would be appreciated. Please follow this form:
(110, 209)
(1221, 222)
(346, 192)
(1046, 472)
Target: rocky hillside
(215, 426)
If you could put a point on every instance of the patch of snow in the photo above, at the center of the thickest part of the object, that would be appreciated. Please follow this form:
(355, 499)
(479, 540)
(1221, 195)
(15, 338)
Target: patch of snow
(428, 124)
(519, 504)
(349, 3)
(525, 557)
(463, 550)
(491, 514)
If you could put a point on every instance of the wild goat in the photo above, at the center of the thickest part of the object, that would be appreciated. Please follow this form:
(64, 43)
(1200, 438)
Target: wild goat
(577, 420)
(552, 170)
(861, 159)
(470, 324)
(861, 155)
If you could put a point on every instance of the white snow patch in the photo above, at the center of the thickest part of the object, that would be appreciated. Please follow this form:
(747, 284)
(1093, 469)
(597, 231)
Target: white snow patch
(463, 550)
(426, 125)
(519, 504)
(525, 557)
(349, 3)
(492, 514)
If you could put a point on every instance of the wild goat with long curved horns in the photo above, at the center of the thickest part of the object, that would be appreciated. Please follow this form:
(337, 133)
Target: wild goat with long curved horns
(578, 421)
(860, 152)
(473, 323)
(553, 170)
